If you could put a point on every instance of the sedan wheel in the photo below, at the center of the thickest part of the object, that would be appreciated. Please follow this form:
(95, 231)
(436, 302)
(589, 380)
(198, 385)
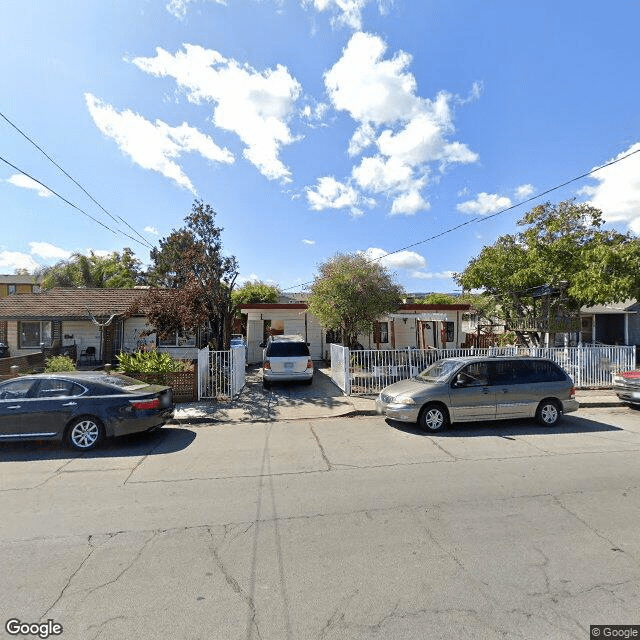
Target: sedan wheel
(548, 413)
(85, 434)
(433, 418)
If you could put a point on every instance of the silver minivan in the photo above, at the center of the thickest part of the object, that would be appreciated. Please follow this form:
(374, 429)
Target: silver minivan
(480, 388)
(286, 359)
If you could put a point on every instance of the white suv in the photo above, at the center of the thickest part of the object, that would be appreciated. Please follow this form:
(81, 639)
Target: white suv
(286, 358)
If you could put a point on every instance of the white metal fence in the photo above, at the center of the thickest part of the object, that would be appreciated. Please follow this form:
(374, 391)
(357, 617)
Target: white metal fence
(221, 374)
(364, 372)
(340, 367)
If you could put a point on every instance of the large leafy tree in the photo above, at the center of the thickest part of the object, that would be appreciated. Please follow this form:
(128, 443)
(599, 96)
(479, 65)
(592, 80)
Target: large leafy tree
(118, 270)
(193, 280)
(255, 292)
(350, 292)
(562, 259)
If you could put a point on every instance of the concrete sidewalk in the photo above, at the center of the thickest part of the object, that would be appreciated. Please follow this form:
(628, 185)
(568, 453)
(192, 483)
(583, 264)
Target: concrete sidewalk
(323, 399)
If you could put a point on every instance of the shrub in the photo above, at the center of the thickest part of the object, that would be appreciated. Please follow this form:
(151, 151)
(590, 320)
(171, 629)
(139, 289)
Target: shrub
(148, 362)
(59, 363)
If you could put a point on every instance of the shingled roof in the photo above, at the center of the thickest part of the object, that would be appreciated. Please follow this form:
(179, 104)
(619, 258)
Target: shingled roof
(68, 304)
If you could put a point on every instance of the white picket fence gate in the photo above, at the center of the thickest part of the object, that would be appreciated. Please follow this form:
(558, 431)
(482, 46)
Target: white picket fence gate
(221, 374)
(363, 372)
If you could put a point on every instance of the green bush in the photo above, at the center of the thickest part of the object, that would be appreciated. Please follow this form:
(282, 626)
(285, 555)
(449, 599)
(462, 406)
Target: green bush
(148, 362)
(59, 363)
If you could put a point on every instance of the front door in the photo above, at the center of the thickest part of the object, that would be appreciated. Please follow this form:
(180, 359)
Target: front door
(471, 395)
(16, 405)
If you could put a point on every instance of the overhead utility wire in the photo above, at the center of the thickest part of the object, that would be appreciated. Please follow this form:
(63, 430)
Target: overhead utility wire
(493, 215)
(55, 193)
(44, 153)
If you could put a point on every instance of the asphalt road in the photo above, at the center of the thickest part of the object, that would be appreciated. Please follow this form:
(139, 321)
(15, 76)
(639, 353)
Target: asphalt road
(335, 529)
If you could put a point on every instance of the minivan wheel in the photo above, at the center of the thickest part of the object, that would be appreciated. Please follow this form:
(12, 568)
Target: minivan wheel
(85, 433)
(433, 418)
(548, 413)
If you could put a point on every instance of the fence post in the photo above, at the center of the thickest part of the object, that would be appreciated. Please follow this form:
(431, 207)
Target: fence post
(410, 362)
(347, 372)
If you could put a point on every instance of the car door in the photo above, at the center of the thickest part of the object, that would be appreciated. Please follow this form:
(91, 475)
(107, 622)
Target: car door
(471, 395)
(513, 384)
(55, 401)
(16, 401)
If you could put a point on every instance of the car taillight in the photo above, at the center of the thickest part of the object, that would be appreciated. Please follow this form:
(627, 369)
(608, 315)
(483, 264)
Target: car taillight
(146, 404)
(572, 392)
(267, 365)
(309, 364)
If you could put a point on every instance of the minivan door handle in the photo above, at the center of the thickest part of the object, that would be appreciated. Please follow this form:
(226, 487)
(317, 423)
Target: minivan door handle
(69, 404)
(15, 406)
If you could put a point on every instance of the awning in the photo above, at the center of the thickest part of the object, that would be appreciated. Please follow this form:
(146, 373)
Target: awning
(424, 317)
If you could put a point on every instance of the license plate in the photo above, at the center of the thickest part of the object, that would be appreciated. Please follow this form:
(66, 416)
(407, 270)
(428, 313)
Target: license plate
(288, 365)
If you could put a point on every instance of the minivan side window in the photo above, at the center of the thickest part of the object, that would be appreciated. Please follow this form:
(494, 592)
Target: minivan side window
(475, 374)
(545, 371)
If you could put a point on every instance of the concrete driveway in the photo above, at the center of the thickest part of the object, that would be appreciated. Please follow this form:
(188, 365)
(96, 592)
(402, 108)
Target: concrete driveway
(283, 401)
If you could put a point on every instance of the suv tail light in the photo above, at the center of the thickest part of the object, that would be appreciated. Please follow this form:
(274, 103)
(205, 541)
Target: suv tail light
(310, 364)
(266, 364)
(572, 392)
(146, 404)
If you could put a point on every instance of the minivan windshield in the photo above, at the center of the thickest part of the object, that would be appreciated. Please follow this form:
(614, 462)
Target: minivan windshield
(439, 371)
(288, 350)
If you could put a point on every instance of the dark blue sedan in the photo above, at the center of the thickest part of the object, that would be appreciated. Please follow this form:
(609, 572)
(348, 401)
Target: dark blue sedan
(80, 408)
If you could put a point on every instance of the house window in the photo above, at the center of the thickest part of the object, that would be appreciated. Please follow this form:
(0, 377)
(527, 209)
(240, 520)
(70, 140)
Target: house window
(11, 289)
(333, 336)
(179, 339)
(381, 332)
(450, 331)
(34, 334)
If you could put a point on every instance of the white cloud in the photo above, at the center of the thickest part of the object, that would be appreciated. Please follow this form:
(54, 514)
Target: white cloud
(309, 242)
(410, 132)
(399, 260)
(20, 180)
(331, 194)
(347, 12)
(12, 260)
(48, 251)
(617, 192)
(152, 230)
(485, 203)
(432, 275)
(250, 278)
(256, 105)
(524, 191)
(178, 8)
(154, 146)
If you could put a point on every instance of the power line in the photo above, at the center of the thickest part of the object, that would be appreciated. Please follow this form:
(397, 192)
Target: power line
(22, 133)
(55, 193)
(493, 215)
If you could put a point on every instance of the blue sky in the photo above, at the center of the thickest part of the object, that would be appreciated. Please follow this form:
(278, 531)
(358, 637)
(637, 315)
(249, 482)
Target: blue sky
(312, 126)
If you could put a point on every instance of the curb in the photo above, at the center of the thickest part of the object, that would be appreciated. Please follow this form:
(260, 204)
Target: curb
(352, 413)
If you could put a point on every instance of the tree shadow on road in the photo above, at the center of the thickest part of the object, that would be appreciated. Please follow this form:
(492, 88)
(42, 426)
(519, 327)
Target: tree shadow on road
(506, 428)
(160, 442)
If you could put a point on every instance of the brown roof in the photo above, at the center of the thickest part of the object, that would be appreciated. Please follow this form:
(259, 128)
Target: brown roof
(402, 307)
(68, 304)
(18, 278)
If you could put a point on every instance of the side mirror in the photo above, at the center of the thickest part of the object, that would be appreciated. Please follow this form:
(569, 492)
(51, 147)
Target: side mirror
(262, 344)
(459, 381)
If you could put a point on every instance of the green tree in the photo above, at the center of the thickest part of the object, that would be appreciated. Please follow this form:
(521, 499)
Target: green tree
(440, 298)
(350, 293)
(255, 292)
(118, 270)
(562, 260)
(194, 281)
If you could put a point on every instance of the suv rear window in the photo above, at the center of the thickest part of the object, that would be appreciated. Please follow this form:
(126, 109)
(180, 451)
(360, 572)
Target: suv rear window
(287, 350)
(525, 372)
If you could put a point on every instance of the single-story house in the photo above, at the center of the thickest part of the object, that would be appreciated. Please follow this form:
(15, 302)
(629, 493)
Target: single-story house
(15, 284)
(413, 325)
(614, 323)
(88, 322)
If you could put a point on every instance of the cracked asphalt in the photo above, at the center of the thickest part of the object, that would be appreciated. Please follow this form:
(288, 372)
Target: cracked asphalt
(328, 529)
